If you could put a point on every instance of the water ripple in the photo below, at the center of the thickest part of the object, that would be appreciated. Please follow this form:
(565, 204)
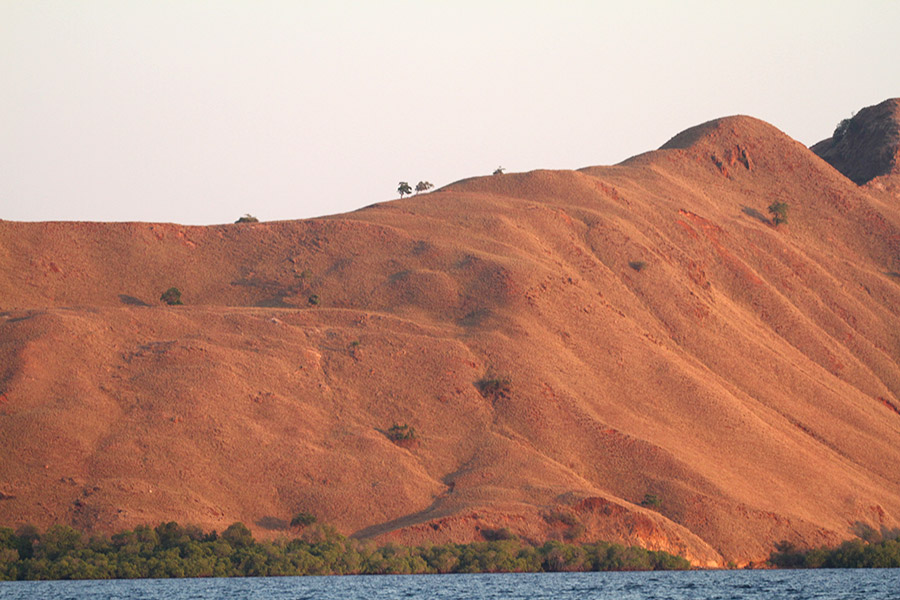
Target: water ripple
(876, 584)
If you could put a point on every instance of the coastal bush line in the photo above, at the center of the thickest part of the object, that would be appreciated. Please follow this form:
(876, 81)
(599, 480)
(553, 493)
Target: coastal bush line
(855, 554)
(172, 550)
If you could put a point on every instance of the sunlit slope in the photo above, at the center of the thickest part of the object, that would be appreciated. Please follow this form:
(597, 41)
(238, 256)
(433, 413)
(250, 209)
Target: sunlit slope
(663, 343)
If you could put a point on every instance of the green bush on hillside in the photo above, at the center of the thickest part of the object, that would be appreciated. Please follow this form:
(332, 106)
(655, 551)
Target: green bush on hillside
(637, 265)
(779, 212)
(651, 501)
(401, 433)
(303, 519)
(172, 296)
(493, 387)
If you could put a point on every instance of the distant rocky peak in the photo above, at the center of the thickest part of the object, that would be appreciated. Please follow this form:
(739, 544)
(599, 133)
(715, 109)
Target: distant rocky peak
(867, 145)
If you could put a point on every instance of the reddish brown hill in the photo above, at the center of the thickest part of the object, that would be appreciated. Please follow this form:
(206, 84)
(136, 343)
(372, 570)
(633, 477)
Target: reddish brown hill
(659, 336)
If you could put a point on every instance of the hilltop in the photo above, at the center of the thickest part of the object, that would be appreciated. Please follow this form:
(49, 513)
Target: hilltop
(632, 353)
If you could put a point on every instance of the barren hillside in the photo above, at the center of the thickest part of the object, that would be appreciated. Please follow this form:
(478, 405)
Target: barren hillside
(632, 353)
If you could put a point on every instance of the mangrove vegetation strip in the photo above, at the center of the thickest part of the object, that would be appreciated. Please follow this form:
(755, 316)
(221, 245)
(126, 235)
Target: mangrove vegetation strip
(172, 550)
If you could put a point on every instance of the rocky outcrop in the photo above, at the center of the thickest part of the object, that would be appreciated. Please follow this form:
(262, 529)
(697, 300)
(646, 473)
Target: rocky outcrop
(867, 145)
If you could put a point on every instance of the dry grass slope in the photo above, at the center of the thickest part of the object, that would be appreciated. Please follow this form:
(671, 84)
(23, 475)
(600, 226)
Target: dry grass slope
(744, 378)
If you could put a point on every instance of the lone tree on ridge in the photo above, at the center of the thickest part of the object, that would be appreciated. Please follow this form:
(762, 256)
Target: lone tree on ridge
(404, 189)
(423, 186)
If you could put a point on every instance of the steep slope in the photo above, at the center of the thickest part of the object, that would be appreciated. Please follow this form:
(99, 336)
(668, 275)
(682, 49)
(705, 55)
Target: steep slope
(681, 373)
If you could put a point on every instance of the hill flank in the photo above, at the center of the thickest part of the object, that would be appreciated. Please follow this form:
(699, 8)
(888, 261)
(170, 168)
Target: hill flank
(671, 369)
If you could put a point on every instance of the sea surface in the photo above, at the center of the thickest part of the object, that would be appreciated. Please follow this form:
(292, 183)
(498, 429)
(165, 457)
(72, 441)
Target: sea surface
(825, 584)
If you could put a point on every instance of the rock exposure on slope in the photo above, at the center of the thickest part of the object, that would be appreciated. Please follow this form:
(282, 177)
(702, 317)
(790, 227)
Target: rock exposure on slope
(633, 353)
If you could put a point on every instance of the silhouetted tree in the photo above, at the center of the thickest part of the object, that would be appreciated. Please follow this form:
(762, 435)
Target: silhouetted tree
(403, 189)
(423, 186)
(499, 171)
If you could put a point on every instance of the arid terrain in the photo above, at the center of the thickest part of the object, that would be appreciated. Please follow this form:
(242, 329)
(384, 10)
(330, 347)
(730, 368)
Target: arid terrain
(632, 353)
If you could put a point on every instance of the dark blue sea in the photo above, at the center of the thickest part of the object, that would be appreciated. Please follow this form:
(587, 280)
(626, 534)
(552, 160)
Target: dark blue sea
(826, 584)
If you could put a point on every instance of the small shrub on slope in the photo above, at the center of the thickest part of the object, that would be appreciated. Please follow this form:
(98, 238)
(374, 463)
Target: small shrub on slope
(172, 296)
(403, 435)
(493, 387)
(779, 212)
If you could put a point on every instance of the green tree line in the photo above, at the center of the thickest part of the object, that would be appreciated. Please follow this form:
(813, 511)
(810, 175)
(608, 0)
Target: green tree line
(855, 554)
(173, 550)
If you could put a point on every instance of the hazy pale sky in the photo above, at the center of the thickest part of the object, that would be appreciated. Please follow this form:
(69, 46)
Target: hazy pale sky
(197, 112)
